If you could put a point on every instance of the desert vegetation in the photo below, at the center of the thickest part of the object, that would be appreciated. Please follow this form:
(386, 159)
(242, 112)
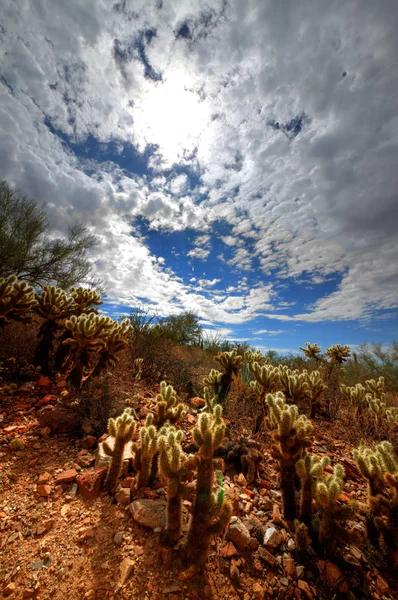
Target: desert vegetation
(203, 441)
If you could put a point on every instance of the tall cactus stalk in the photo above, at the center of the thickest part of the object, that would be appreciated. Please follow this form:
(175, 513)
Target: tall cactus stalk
(211, 512)
(309, 469)
(122, 430)
(144, 452)
(292, 435)
(231, 362)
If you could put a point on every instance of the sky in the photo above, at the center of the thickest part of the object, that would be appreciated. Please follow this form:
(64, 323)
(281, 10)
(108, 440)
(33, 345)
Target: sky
(235, 159)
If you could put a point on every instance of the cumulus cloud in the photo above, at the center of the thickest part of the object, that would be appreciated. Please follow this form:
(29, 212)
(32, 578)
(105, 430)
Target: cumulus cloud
(277, 119)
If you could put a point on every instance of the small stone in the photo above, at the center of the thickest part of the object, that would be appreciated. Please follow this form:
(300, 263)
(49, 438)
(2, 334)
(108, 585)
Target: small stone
(382, 585)
(241, 480)
(284, 581)
(68, 476)
(229, 550)
(123, 496)
(266, 556)
(276, 515)
(304, 587)
(289, 567)
(90, 595)
(332, 576)
(300, 571)
(126, 569)
(90, 483)
(234, 573)
(149, 513)
(258, 591)
(118, 538)
(188, 574)
(85, 459)
(43, 528)
(291, 545)
(197, 402)
(88, 442)
(44, 490)
(9, 589)
(272, 537)
(43, 478)
(44, 382)
(49, 399)
(238, 534)
(28, 593)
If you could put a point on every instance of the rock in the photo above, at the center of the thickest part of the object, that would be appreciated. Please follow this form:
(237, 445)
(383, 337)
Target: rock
(188, 574)
(9, 589)
(118, 538)
(68, 476)
(276, 515)
(304, 587)
(234, 573)
(126, 569)
(58, 419)
(197, 402)
(272, 537)
(300, 571)
(238, 534)
(45, 432)
(90, 483)
(289, 567)
(266, 556)
(241, 480)
(103, 460)
(291, 545)
(90, 595)
(332, 576)
(28, 593)
(49, 399)
(85, 459)
(44, 382)
(229, 550)
(40, 563)
(88, 442)
(42, 528)
(85, 536)
(149, 513)
(123, 496)
(284, 581)
(44, 490)
(258, 591)
(382, 586)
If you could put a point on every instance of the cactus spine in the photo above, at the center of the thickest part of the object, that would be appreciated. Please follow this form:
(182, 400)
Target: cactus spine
(122, 430)
(211, 512)
(309, 469)
(292, 435)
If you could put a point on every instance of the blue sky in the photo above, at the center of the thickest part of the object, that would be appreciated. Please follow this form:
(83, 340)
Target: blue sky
(236, 159)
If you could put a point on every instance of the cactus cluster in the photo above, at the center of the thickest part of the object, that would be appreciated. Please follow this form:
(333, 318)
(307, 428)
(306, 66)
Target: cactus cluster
(145, 451)
(220, 383)
(312, 351)
(371, 399)
(338, 354)
(17, 298)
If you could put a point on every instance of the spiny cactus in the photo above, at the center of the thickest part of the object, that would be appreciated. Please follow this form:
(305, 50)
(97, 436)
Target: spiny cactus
(85, 301)
(54, 306)
(258, 357)
(17, 298)
(292, 435)
(122, 430)
(213, 381)
(356, 395)
(338, 354)
(137, 369)
(331, 514)
(231, 362)
(168, 408)
(211, 512)
(316, 387)
(144, 452)
(309, 469)
(380, 468)
(267, 379)
(174, 466)
(312, 351)
(115, 340)
(210, 399)
(88, 333)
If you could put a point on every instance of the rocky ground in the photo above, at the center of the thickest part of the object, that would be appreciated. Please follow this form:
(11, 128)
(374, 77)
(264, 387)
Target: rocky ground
(62, 537)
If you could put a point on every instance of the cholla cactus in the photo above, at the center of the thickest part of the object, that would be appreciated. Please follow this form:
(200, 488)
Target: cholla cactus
(258, 357)
(309, 469)
(331, 513)
(266, 379)
(88, 336)
(54, 306)
(380, 468)
(122, 430)
(292, 434)
(376, 388)
(17, 298)
(214, 381)
(115, 339)
(316, 387)
(231, 362)
(211, 512)
(144, 452)
(338, 354)
(312, 351)
(83, 301)
(210, 399)
(356, 395)
(137, 369)
(175, 466)
(168, 410)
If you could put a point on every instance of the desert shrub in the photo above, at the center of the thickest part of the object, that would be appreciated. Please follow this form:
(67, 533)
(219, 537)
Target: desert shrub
(18, 341)
(96, 404)
(371, 361)
(213, 343)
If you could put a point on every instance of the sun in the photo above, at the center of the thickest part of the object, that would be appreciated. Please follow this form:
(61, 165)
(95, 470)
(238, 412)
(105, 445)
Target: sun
(173, 117)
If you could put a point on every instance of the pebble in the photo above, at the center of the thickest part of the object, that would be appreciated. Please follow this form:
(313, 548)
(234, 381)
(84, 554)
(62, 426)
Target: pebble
(118, 538)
